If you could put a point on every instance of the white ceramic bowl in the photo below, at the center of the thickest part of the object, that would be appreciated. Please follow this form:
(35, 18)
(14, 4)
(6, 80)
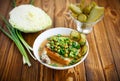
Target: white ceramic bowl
(51, 32)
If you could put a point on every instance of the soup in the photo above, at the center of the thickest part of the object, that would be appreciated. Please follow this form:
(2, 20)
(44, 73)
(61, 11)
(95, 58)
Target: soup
(61, 50)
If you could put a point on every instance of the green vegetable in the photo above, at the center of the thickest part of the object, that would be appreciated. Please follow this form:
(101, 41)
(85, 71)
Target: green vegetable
(82, 41)
(17, 38)
(84, 50)
(75, 9)
(76, 45)
(74, 15)
(86, 12)
(95, 14)
(75, 35)
(14, 3)
(89, 7)
(31, 2)
(82, 4)
(73, 62)
(53, 64)
(82, 17)
(67, 47)
(63, 46)
(28, 18)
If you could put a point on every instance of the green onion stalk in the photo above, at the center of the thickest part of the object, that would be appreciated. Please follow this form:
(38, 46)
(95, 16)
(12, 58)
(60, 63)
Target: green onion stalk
(31, 2)
(17, 38)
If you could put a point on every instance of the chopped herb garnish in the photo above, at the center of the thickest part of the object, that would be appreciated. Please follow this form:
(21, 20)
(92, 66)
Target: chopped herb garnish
(31, 2)
(54, 64)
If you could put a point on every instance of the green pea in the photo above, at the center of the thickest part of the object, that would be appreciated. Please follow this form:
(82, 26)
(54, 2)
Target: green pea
(66, 55)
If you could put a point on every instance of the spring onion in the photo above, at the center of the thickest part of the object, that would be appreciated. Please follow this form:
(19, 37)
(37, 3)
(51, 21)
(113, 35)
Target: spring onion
(14, 3)
(31, 2)
(17, 38)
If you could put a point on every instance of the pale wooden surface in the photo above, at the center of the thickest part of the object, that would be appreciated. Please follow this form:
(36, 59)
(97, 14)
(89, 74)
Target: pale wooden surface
(102, 63)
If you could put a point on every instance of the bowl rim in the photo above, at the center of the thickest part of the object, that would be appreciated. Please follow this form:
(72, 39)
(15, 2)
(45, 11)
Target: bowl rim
(35, 49)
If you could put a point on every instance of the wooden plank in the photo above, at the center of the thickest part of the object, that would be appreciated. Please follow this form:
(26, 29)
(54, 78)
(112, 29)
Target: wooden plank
(112, 22)
(114, 37)
(61, 7)
(19, 2)
(94, 71)
(73, 74)
(105, 53)
(12, 60)
(30, 73)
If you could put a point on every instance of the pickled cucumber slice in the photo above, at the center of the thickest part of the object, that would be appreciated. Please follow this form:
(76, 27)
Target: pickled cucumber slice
(83, 36)
(84, 50)
(89, 7)
(74, 15)
(82, 41)
(82, 17)
(82, 4)
(95, 14)
(75, 35)
(75, 9)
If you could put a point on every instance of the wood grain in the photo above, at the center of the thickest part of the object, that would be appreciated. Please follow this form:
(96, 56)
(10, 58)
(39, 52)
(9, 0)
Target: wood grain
(92, 63)
(112, 24)
(102, 63)
(7, 53)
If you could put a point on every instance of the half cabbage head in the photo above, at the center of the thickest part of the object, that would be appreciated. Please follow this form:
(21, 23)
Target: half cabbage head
(28, 18)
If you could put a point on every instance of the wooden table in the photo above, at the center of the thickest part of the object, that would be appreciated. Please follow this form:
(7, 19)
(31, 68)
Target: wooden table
(102, 63)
